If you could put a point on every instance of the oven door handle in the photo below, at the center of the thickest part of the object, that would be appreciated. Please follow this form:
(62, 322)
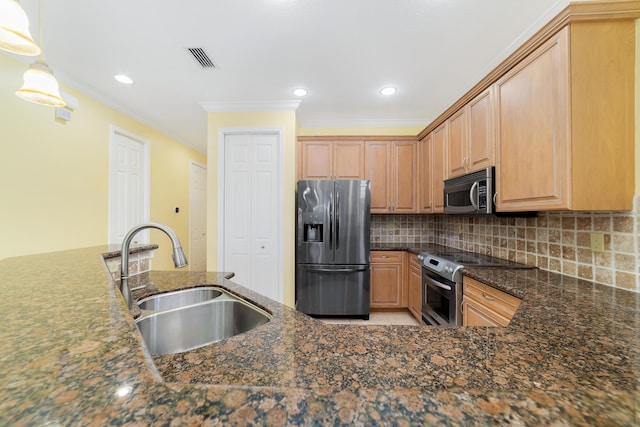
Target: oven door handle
(438, 284)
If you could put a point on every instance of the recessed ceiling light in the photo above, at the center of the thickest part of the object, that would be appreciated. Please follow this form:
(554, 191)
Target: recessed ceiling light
(123, 79)
(386, 91)
(300, 92)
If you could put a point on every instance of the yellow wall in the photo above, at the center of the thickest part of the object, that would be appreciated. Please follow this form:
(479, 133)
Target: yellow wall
(54, 178)
(270, 119)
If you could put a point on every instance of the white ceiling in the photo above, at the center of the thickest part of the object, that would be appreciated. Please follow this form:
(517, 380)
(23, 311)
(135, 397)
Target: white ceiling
(342, 51)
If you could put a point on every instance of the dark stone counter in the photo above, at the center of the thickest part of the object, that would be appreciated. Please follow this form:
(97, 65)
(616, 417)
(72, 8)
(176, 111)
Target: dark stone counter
(70, 351)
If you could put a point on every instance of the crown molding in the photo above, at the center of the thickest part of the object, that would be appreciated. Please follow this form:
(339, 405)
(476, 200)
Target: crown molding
(217, 107)
(356, 123)
(574, 12)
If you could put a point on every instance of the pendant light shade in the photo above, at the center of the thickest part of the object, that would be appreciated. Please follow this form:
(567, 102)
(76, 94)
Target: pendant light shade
(14, 30)
(40, 86)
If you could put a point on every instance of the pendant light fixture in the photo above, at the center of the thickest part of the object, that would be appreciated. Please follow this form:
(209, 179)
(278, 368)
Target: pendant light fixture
(40, 86)
(14, 30)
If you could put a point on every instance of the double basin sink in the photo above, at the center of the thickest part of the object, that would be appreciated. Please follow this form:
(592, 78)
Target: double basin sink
(187, 319)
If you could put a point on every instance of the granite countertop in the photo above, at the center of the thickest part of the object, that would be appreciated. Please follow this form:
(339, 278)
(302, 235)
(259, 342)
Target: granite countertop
(414, 248)
(570, 356)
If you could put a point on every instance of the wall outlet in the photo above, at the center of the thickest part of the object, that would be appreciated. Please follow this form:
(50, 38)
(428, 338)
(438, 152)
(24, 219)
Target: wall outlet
(597, 242)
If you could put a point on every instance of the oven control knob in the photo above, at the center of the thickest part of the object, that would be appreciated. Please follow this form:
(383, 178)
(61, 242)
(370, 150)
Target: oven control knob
(448, 269)
(420, 258)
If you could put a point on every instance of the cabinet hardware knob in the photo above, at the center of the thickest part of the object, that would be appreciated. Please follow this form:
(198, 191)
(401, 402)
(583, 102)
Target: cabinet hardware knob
(488, 297)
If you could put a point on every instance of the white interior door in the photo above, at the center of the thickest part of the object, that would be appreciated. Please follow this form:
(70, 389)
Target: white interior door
(198, 218)
(128, 185)
(251, 225)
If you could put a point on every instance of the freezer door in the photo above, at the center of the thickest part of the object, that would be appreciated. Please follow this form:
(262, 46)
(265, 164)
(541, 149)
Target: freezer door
(325, 290)
(314, 233)
(352, 222)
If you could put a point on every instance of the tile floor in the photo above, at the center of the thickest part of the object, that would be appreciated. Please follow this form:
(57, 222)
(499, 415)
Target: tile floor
(377, 318)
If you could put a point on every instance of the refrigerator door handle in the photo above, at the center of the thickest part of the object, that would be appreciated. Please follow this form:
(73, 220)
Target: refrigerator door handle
(331, 221)
(337, 216)
(341, 270)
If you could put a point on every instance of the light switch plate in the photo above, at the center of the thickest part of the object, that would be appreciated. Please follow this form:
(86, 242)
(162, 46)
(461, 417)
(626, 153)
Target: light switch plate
(597, 242)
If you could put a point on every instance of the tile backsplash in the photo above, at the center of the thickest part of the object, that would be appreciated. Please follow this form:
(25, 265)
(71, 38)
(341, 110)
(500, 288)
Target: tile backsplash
(555, 241)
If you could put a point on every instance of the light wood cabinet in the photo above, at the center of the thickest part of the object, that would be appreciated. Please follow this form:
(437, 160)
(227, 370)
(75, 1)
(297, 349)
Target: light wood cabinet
(486, 306)
(481, 144)
(388, 285)
(331, 159)
(439, 140)
(565, 122)
(457, 144)
(425, 166)
(391, 166)
(415, 287)
(470, 145)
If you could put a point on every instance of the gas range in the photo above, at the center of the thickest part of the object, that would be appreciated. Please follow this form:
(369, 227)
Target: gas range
(442, 282)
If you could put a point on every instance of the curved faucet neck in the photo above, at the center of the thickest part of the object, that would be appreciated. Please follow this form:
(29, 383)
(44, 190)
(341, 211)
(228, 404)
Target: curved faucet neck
(179, 259)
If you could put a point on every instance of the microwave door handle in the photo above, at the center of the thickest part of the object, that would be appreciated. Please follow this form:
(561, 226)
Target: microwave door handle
(471, 193)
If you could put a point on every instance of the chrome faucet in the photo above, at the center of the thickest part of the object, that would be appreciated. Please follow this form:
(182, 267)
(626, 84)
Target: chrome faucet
(179, 259)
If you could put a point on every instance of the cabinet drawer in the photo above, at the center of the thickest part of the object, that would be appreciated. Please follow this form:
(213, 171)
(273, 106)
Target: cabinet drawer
(386, 257)
(503, 304)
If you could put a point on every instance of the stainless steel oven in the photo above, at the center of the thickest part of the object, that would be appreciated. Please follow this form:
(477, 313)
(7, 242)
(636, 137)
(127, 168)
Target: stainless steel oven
(440, 299)
(442, 282)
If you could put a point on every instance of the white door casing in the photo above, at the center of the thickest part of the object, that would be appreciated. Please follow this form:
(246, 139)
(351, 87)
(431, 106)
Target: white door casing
(250, 204)
(128, 185)
(198, 217)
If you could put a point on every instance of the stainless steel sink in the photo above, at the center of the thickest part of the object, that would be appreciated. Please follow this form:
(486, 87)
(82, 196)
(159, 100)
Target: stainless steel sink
(186, 328)
(180, 298)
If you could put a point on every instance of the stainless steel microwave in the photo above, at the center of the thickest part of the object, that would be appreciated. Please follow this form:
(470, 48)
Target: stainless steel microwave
(470, 194)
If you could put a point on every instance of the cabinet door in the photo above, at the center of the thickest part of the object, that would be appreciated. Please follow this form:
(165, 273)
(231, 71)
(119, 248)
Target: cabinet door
(425, 168)
(475, 314)
(405, 172)
(385, 285)
(386, 279)
(348, 160)
(532, 111)
(480, 136)
(457, 144)
(415, 285)
(316, 158)
(377, 156)
(439, 141)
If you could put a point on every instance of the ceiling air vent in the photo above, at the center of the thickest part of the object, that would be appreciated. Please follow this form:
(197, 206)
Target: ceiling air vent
(201, 56)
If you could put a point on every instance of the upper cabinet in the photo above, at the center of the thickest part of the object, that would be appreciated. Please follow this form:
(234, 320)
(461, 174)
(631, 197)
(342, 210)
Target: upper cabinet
(565, 122)
(392, 168)
(425, 167)
(331, 159)
(471, 144)
(480, 136)
(432, 154)
(555, 118)
(439, 140)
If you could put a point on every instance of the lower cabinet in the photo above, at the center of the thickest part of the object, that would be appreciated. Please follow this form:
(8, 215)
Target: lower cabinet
(388, 284)
(486, 306)
(415, 287)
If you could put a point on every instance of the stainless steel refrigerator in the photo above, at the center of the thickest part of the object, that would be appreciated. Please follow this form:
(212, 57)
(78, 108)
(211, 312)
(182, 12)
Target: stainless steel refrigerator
(332, 248)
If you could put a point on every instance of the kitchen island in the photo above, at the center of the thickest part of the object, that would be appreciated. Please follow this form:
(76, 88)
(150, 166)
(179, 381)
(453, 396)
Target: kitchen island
(71, 355)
